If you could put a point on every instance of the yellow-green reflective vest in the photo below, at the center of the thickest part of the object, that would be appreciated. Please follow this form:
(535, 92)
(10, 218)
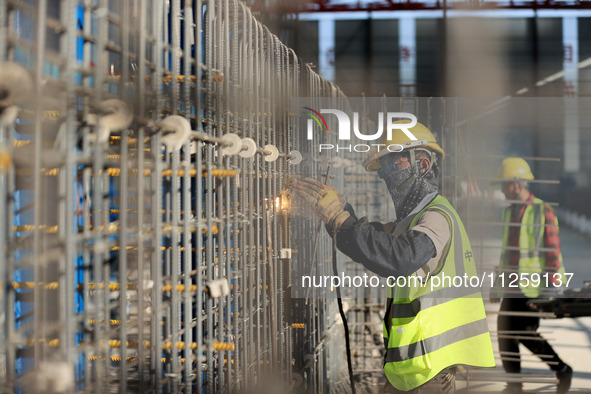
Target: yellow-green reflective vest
(531, 260)
(428, 330)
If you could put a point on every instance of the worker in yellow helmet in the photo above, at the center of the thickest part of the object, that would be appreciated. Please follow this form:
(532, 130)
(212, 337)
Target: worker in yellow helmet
(521, 258)
(428, 330)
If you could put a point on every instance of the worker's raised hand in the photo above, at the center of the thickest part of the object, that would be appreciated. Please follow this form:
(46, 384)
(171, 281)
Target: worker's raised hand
(325, 201)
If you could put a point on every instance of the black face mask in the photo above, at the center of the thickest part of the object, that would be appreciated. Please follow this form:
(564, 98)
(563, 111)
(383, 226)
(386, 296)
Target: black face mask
(406, 187)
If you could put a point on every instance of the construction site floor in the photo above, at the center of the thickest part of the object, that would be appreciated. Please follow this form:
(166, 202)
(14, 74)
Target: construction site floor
(570, 338)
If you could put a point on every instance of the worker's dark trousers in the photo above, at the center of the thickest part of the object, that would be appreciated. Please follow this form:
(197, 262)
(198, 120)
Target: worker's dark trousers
(509, 347)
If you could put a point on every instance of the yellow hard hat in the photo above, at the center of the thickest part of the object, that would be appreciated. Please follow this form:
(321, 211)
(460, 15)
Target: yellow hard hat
(515, 168)
(420, 131)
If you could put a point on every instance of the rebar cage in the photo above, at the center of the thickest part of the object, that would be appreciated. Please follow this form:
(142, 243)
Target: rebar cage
(144, 244)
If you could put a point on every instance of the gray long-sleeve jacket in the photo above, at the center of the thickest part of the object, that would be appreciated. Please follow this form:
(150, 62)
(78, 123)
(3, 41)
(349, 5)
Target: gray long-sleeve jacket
(373, 245)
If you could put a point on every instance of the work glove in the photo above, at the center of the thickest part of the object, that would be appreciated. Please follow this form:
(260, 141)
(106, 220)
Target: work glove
(326, 202)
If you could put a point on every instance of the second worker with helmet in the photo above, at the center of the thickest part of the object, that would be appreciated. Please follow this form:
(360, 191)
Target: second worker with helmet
(531, 246)
(428, 331)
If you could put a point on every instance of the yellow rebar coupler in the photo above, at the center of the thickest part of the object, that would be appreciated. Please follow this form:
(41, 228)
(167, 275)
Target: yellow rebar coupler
(5, 160)
(223, 346)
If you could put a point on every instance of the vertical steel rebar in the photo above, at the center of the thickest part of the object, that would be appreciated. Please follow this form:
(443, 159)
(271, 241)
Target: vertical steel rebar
(5, 261)
(208, 195)
(37, 185)
(219, 89)
(140, 216)
(198, 201)
(187, 312)
(224, 71)
(237, 264)
(156, 204)
(71, 318)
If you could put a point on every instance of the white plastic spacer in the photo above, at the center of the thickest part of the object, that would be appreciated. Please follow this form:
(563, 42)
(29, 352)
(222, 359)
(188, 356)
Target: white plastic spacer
(116, 115)
(249, 148)
(218, 288)
(296, 157)
(272, 153)
(234, 144)
(285, 253)
(179, 129)
(336, 162)
(55, 377)
(16, 83)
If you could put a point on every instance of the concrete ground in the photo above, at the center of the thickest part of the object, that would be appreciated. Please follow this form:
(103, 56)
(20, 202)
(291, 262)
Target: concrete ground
(571, 338)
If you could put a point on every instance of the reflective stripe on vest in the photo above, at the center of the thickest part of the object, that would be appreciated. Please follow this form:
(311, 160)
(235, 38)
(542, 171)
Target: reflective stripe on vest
(437, 297)
(426, 330)
(436, 342)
